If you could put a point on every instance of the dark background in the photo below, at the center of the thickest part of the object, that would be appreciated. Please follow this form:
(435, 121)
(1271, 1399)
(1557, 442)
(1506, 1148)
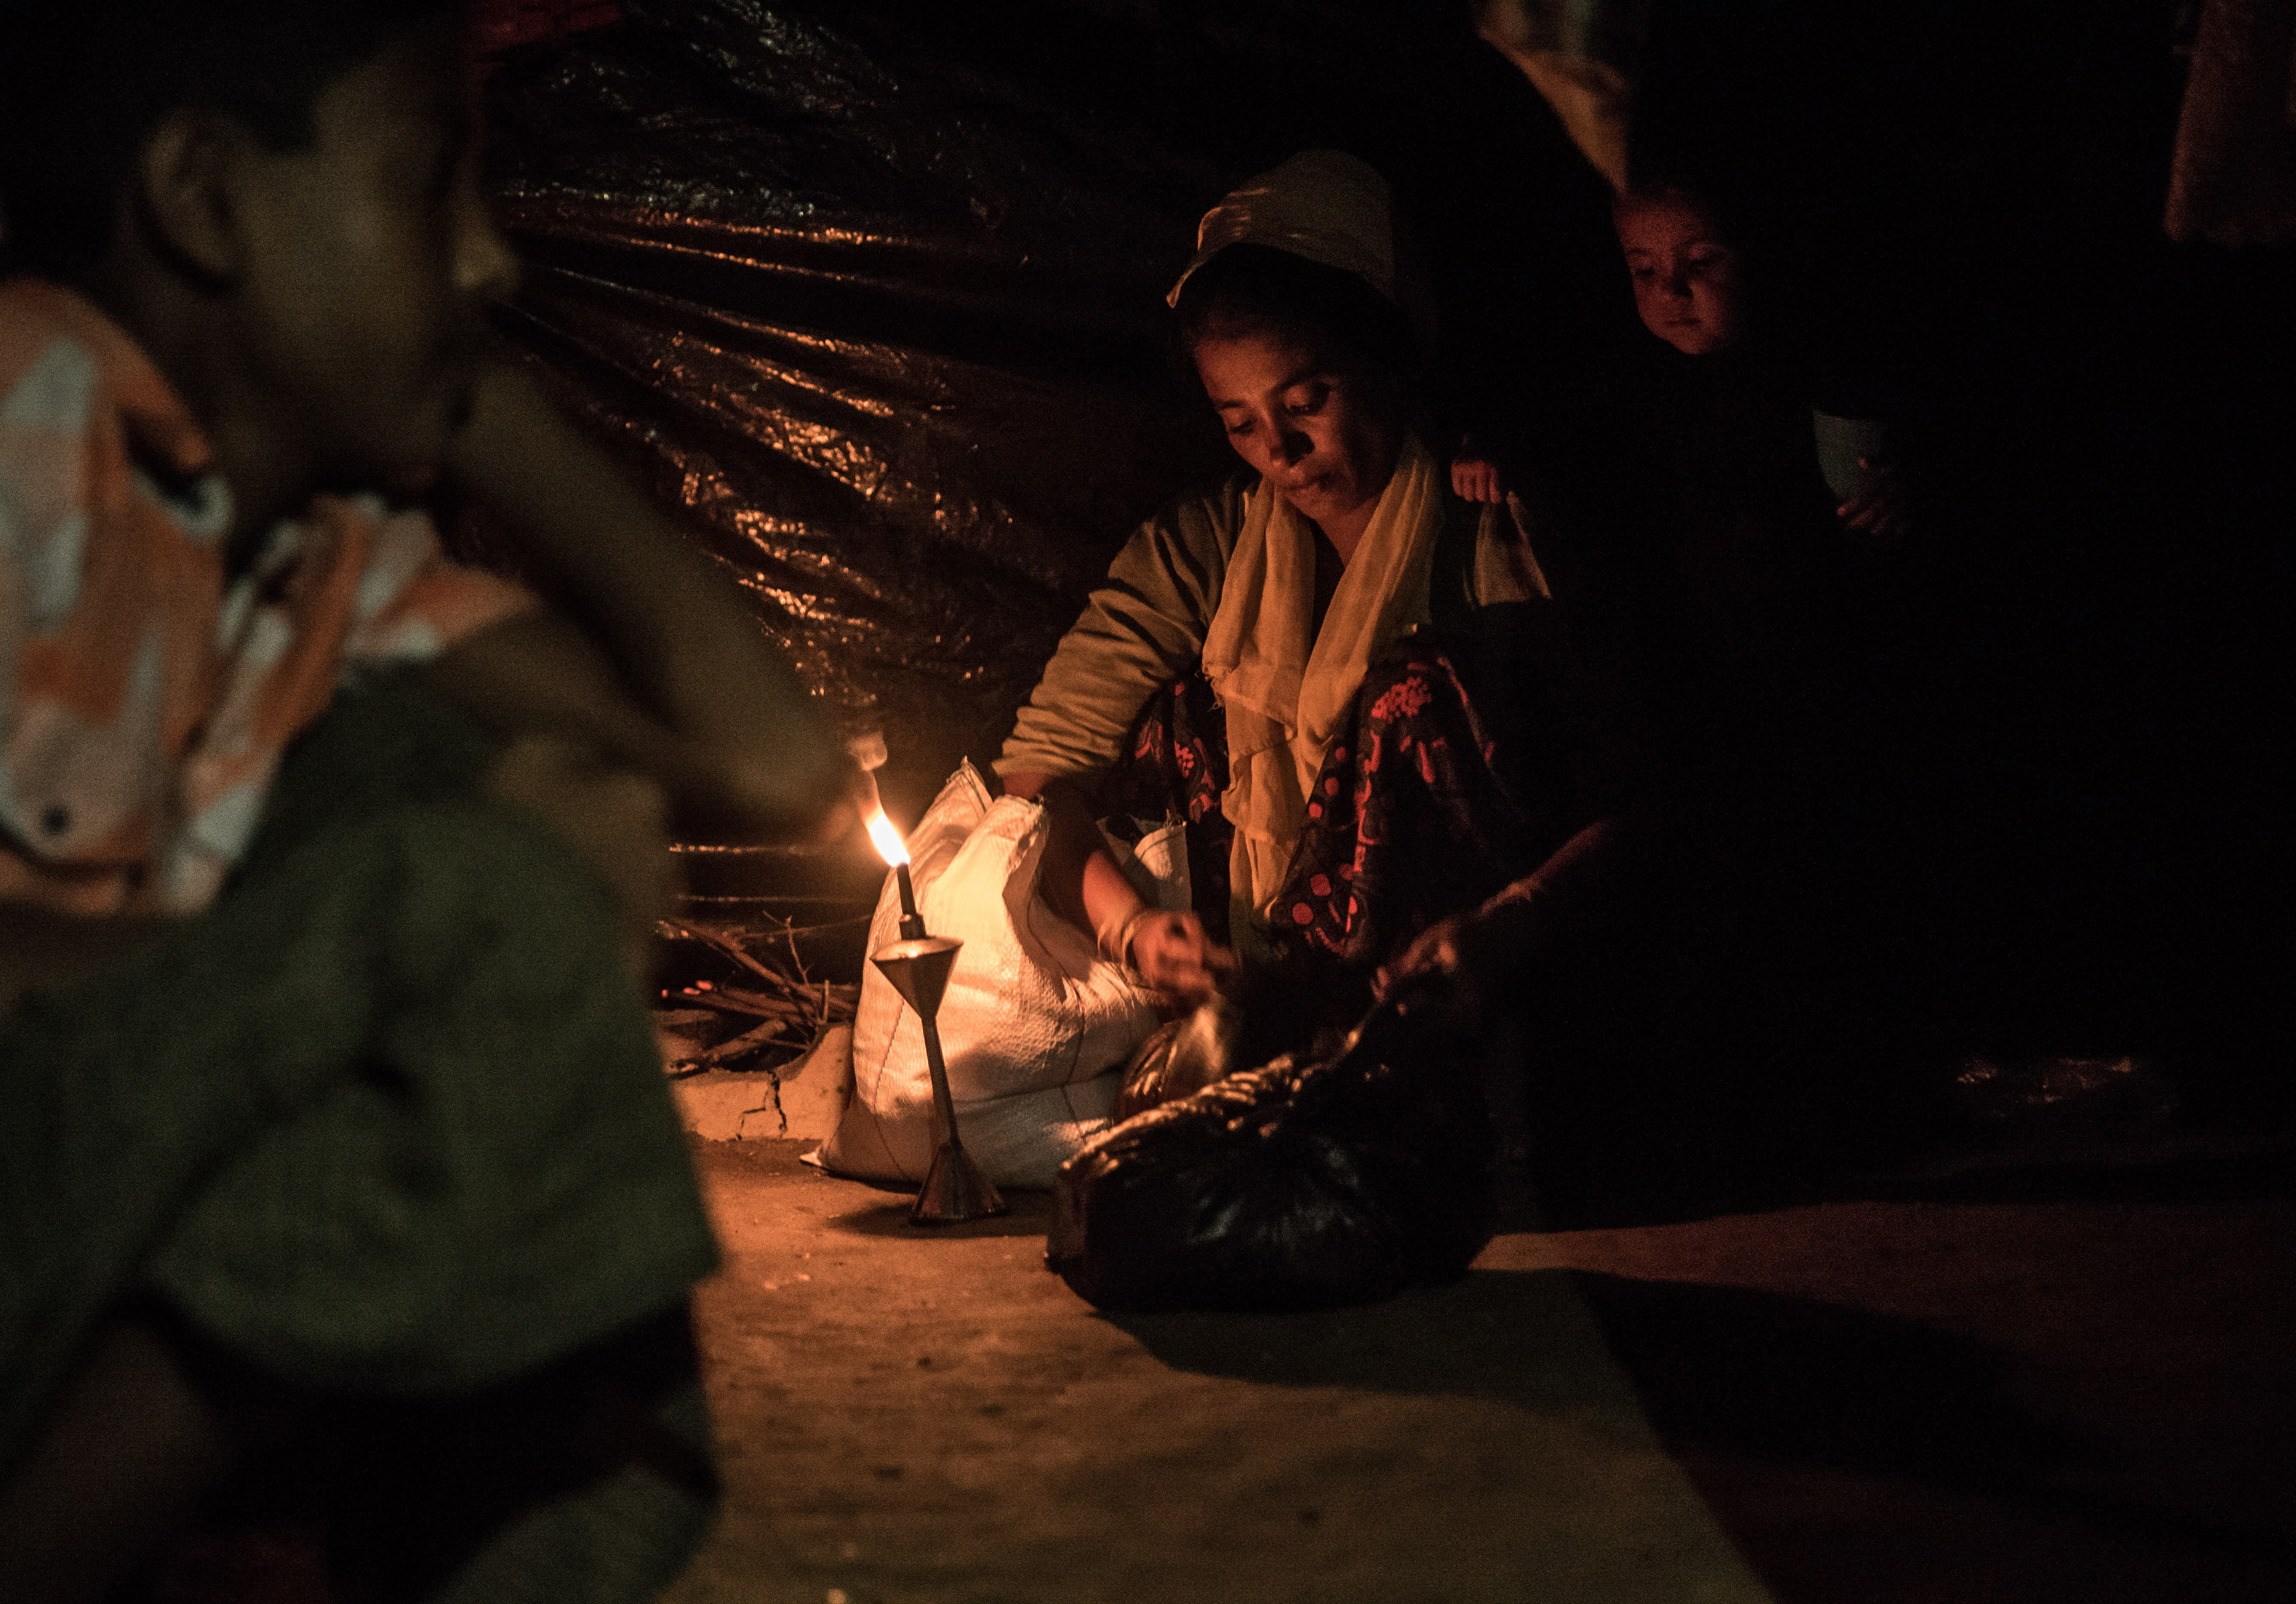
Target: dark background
(873, 289)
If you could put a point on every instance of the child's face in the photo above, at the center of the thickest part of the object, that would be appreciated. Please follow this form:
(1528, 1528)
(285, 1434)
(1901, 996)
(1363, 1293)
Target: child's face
(365, 260)
(1685, 277)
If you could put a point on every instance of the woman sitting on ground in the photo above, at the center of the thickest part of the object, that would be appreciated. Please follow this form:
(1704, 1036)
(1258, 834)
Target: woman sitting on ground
(1285, 663)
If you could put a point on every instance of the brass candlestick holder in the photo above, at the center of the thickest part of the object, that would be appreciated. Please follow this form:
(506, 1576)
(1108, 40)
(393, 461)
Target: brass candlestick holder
(918, 965)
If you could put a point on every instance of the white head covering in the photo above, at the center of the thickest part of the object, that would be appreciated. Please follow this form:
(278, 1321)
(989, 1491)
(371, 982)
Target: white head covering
(1328, 207)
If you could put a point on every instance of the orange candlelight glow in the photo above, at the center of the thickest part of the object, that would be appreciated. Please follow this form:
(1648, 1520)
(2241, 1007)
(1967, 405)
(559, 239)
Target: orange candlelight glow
(887, 839)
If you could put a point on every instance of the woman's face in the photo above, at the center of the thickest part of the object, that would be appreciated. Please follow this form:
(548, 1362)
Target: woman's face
(1685, 278)
(1326, 437)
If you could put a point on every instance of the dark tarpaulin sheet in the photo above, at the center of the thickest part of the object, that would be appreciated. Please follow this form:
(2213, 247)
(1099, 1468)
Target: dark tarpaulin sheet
(874, 290)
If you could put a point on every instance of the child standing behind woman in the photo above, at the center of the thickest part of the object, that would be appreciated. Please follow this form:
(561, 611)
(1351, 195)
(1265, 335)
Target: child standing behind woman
(1691, 291)
(1737, 885)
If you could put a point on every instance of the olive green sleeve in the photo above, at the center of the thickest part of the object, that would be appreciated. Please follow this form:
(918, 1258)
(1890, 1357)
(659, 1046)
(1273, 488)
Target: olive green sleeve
(1144, 626)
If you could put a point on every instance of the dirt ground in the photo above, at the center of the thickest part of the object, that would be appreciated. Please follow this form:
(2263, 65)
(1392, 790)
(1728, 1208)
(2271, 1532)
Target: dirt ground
(2057, 1384)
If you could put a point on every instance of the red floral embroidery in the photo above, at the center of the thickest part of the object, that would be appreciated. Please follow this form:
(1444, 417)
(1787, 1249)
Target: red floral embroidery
(1409, 826)
(1403, 699)
(1405, 820)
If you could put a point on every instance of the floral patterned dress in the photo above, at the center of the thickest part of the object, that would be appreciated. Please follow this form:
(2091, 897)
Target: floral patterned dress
(1411, 820)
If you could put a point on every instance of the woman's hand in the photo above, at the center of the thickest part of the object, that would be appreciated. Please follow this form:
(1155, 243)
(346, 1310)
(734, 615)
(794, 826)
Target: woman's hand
(1174, 957)
(1433, 954)
(1450, 964)
(1470, 960)
(1081, 882)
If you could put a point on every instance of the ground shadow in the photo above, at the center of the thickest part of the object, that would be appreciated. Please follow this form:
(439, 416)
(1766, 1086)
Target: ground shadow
(1759, 1374)
(1823, 1436)
(1803, 1424)
(1027, 1215)
(1766, 1377)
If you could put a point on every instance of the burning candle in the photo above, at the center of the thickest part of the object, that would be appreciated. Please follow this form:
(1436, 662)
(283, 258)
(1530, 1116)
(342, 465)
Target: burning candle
(918, 965)
(890, 847)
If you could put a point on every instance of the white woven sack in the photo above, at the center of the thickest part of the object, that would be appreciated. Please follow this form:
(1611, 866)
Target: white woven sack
(1035, 1025)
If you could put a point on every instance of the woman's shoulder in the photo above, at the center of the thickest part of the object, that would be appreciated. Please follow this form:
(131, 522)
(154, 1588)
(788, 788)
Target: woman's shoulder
(1203, 524)
(1217, 509)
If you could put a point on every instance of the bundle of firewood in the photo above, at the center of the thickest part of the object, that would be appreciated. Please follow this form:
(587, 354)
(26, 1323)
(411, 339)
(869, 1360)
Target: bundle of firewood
(767, 1018)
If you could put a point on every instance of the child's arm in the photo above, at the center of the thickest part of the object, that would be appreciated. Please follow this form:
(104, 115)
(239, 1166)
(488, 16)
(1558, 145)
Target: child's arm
(658, 664)
(1474, 477)
(1880, 510)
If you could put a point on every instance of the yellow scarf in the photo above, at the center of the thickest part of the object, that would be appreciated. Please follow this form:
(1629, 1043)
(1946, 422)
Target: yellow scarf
(1286, 699)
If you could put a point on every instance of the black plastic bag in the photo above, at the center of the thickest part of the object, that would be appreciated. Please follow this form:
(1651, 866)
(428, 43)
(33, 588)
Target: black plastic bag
(1302, 1003)
(1293, 1186)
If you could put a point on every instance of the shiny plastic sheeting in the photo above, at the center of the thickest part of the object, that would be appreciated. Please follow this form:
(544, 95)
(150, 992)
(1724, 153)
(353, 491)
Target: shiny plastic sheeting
(774, 271)
(874, 290)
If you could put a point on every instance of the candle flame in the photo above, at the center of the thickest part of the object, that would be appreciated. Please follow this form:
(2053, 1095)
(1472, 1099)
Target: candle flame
(887, 839)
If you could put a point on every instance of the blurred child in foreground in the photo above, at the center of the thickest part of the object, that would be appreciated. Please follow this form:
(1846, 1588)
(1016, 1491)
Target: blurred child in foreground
(339, 1170)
